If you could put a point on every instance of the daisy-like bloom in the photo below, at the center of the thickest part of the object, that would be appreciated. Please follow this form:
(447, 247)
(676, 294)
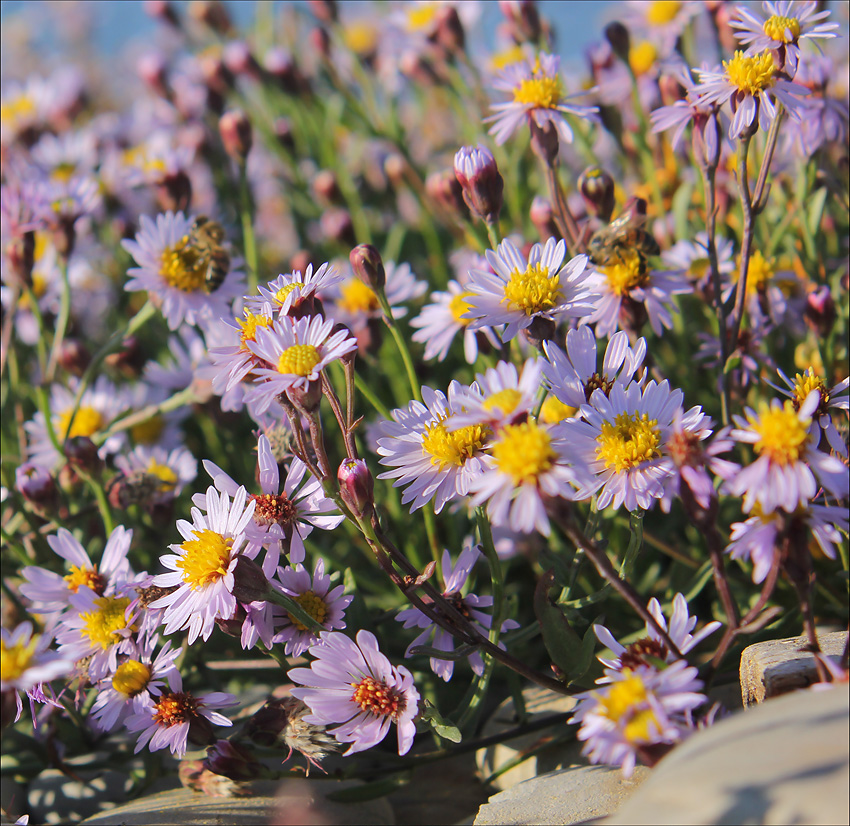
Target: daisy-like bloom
(831, 398)
(660, 22)
(154, 475)
(232, 358)
(294, 355)
(758, 538)
(752, 349)
(353, 684)
(470, 605)
(289, 291)
(623, 442)
(525, 463)
(129, 688)
(573, 376)
(516, 291)
(498, 397)
(315, 595)
(202, 566)
(442, 319)
(280, 517)
(537, 94)
(629, 292)
(26, 661)
(65, 201)
(173, 268)
(789, 465)
(100, 405)
(752, 87)
(188, 358)
(692, 258)
(424, 454)
(49, 592)
(174, 718)
(781, 27)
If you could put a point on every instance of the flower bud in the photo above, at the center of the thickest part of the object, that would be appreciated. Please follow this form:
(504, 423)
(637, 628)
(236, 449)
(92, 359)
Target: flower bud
(250, 584)
(283, 132)
(81, 453)
(523, 19)
(544, 141)
(174, 192)
(597, 190)
(618, 36)
(36, 484)
(306, 400)
(394, 168)
(480, 181)
(326, 187)
(368, 266)
(356, 486)
(324, 10)
(444, 189)
(212, 13)
(236, 134)
(336, 224)
(239, 60)
(820, 311)
(320, 40)
(543, 218)
(162, 10)
(449, 33)
(232, 760)
(74, 356)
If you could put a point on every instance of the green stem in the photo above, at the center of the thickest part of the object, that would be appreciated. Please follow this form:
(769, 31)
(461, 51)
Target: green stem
(635, 543)
(746, 242)
(61, 321)
(248, 240)
(401, 344)
(102, 502)
(493, 234)
(295, 611)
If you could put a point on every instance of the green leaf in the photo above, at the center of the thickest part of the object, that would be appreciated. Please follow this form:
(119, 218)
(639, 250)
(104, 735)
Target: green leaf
(444, 728)
(816, 205)
(562, 642)
(680, 206)
(731, 363)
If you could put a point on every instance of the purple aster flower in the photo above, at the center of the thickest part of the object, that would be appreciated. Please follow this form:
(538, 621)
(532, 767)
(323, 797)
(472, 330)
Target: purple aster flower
(354, 685)
(232, 357)
(752, 349)
(157, 474)
(470, 605)
(289, 291)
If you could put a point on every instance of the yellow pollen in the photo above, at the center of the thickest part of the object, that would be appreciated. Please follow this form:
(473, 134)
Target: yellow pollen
(752, 75)
(505, 400)
(249, 326)
(205, 559)
(361, 38)
(459, 306)
(314, 605)
(642, 57)
(626, 273)
(300, 359)
(662, 11)
(421, 16)
(378, 698)
(620, 700)
(507, 57)
(102, 626)
(85, 576)
(358, 298)
(16, 660)
(776, 27)
(448, 448)
(629, 441)
(148, 431)
(173, 709)
(131, 678)
(759, 272)
(804, 383)
(281, 295)
(63, 172)
(784, 436)
(87, 422)
(184, 267)
(641, 727)
(167, 477)
(554, 410)
(540, 90)
(17, 109)
(532, 290)
(524, 452)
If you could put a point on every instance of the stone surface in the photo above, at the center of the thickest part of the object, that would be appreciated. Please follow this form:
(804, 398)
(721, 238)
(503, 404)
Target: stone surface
(54, 797)
(293, 801)
(539, 703)
(784, 761)
(567, 796)
(776, 667)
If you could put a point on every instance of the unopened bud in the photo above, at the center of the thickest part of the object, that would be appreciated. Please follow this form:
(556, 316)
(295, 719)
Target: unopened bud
(326, 187)
(444, 189)
(324, 10)
(306, 399)
(320, 40)
(217, 77)
(480, 181)
(618, 36)
(449, 33)
(597, 190)
(236, 135)
(37, 485)
(81, 453)
(239, 60)
(174, 192)
(543, 218)
(130, 359)
(544, 141)
(283, 133)
(233, 760)
(212, 13)
(368, 266)
(74, 356)
(250, 584)
(523, 19)
(356, 486)
(162, 10)
(820, 311)
(394, 168)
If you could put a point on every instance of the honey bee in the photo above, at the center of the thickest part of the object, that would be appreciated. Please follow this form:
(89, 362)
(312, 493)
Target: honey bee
(624, 232)
(206, 237)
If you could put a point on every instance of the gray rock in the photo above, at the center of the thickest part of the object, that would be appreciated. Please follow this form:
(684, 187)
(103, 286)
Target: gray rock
(776, 667)
(54, 797)
(568, 796)
(292, 801)
(785, 761)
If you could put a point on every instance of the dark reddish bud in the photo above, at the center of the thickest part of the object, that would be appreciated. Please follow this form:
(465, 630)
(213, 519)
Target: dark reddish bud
(81, 453)
(151, 69)
(444, 189)
(356, 486)
(212, 13)
(130, 359)
(597, 191)
(326, 187)
(236, 134)
(73, 356)
(337, 225)
(541, 329)
(162, 10)
(37, 485)
(306, 399)
(174, 192)
(250, 584)
(283, 133)
(368, 266)
(543, 218)
(232, 626)
(449, 33)
(480, 181)
(320, 40)
(820, 311)
(324, 10)
(232, 760)
(278, 64)
(632, 315)
(240, 61)
(523, 20)
(544, 141)
(618, 36)
(20, 253)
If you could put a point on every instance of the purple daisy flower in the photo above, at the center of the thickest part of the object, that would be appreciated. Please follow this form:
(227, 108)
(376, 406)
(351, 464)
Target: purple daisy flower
(288, 291)
(354, 685)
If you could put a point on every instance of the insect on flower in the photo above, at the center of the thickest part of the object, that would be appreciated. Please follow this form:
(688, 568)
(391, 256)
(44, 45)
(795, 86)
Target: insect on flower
(624, 232)
(206, 237)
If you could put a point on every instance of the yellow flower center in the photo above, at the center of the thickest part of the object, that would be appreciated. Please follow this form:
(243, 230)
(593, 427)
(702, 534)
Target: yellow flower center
(642, 57)
(554, 410)
(183, 266)
(167, 477)
(540, 90)
(776, 27)
(629, 441)
(505, 400)
(453, 447)
(314, 605)
(102, 626)
(524, 452)
(507, 57)
(662, 11)
(281, 295)
(87, 422)
(378, 698)
(459, 306)
(148, 431)
(85, 576)
(131, 678)
(626, 273)
(784, 436)
(205, 559)
(299, 359)
(532, 290)
(421, 16)
(249, 326)
(752, 75)
(20, 108)
(15, 660)
(63, 172)
(623, 698)
(804, 383)
(358, 298)
(361, 38)
(759, 272)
